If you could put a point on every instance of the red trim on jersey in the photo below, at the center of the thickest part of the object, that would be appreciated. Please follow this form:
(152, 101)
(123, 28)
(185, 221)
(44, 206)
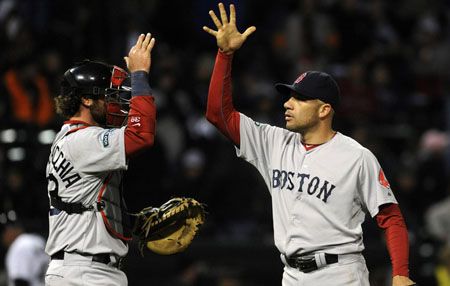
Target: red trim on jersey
(390, 219)
(102, 212)
(140, 130)
(77, 122)
(73, 122)
(310, 146)
(220, 110)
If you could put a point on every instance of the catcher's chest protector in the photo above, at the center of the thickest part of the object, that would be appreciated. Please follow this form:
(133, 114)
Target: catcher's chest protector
(111, 205)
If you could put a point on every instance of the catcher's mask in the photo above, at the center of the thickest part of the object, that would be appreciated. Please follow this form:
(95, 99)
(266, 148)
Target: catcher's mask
(97, 80)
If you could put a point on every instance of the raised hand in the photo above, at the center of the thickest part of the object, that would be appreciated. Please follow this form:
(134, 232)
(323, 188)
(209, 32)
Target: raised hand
(228, 37)
(139, 57)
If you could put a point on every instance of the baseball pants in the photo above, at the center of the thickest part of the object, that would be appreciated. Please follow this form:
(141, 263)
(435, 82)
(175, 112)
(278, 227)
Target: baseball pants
(350, 270)
(78, 270)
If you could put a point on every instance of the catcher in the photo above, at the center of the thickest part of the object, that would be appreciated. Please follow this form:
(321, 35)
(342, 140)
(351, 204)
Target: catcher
(107, 123)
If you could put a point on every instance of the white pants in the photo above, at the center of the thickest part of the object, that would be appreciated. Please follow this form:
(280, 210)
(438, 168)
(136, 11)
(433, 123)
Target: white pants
(350, 270)
(78, 270)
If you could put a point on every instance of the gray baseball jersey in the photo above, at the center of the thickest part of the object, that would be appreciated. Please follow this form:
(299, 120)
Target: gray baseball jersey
(320, 196)
(81, 161)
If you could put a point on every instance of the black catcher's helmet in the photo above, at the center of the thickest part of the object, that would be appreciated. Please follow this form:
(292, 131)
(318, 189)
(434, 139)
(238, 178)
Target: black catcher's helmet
(93, 79)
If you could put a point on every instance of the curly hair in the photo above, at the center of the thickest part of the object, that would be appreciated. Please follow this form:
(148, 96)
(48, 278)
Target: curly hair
(67, 104)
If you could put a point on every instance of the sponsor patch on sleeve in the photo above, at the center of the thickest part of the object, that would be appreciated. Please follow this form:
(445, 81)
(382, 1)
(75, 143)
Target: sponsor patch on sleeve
(105, 137)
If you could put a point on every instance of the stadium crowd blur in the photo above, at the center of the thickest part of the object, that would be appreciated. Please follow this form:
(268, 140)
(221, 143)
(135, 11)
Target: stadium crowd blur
(390, 58)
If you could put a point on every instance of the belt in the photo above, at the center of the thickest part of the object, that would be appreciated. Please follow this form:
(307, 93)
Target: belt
(309, 263)
(104, 258)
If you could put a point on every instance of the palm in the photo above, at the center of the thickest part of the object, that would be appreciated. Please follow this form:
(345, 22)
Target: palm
(228, 37)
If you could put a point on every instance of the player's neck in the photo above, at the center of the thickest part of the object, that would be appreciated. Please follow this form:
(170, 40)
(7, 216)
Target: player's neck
(83, 115)
(317, 137)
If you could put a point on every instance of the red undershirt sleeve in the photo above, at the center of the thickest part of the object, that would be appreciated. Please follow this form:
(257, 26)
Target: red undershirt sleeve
(390, 219)
(140, 130)
(220, 110)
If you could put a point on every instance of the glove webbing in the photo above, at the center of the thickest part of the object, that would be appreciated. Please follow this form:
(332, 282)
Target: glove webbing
(179, 217)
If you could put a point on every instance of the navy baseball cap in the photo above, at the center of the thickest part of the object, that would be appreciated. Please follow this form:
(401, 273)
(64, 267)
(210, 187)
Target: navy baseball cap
(313, 85)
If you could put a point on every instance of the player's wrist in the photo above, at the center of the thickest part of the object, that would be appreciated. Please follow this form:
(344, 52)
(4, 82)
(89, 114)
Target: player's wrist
(139, 83)
(226, 54)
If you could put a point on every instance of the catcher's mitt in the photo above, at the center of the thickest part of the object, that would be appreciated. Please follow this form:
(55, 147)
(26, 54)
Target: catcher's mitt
(170, 228)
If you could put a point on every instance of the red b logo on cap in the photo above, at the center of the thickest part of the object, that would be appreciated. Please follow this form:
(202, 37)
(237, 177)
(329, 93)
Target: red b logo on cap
(300, 78)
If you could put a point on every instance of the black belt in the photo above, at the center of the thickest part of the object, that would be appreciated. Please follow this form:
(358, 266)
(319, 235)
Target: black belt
(307, 263)
(104, 258)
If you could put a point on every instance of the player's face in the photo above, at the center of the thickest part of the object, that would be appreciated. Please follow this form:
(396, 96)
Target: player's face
(98, 111)
(301, 115)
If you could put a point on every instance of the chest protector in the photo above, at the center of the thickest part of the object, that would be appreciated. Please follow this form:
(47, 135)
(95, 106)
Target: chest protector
(110, 203)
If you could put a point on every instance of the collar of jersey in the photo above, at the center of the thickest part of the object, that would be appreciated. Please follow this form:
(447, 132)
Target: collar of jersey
(73, 122)
(309, 147)
(76, 122)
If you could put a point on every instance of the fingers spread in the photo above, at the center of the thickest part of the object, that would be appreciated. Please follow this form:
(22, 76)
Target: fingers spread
(249, 31)
(223, 14)
(215, 19)
(232, 14)
(209, 31)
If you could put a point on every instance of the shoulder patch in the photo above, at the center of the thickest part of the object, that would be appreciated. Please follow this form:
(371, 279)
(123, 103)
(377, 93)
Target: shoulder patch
(105, 137)
(382, 179)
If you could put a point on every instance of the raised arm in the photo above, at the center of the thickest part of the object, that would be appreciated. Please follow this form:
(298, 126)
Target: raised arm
(220, 110)
(140, 130)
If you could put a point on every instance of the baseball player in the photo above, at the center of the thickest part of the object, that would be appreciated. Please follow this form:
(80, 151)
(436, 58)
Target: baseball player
(322, 183)
(89, 226)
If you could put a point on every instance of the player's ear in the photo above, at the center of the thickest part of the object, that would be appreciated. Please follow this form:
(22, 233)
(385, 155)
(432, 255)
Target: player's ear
(325, 110)
(86, 102)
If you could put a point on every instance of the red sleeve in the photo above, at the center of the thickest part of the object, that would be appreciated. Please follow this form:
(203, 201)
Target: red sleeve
(390, 219)
(220, 110)
(140, 130)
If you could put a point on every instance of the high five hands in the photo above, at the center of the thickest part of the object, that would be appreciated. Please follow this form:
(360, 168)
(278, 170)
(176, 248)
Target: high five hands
(228, 37)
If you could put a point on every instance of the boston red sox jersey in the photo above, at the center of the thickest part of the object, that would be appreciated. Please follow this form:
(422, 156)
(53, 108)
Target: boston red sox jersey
(80, 163)
(26, 260)
(320, 196)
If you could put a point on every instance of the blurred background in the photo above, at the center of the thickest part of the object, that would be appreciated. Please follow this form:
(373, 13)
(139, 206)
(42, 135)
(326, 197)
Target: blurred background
(390, 58)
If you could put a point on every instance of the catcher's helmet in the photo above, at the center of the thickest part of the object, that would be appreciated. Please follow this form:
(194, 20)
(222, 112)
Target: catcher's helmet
(93, 79)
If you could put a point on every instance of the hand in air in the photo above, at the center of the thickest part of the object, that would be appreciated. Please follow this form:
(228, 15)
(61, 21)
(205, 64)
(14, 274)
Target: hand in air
(139, 57)
(228, 37)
